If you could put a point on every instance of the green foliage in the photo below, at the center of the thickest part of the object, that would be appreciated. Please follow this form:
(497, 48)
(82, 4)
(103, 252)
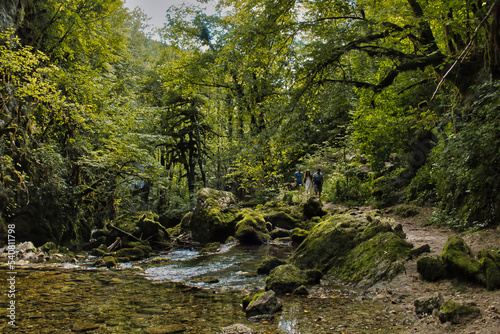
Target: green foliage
(465, 164)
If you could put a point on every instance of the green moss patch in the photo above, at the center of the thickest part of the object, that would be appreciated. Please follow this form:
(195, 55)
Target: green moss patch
(285, 279)
(459, 261)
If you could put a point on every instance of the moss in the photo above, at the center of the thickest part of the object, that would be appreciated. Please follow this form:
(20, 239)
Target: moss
(375, 227)
(251, 298)
(269, 264)
(214, 217)
(279, 233)
(99, 252)
(313, 276)
(132, 253)
(108, 262)
(405, 210)
(492, 273)
(431, 269)
(327, 244)
(211, 247)
(251, 228)
(285, 279)
(299, 235)
(281, 217)
(456, 313)
(380, 258)
(301, 291)
(459, 262)
(48, 246)
(313, 208)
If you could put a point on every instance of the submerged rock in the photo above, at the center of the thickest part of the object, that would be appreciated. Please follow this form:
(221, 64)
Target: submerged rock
(237, 329)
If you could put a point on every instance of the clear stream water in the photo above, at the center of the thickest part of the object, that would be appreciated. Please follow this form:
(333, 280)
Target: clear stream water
(142, 297)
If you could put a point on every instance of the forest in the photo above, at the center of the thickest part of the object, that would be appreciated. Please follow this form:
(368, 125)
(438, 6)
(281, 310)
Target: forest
(396, 101)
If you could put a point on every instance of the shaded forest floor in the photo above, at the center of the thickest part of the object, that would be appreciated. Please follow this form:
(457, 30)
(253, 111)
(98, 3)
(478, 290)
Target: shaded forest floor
(407, 287)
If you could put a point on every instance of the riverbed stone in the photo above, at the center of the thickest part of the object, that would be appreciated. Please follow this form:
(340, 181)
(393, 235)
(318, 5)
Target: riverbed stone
(134, 253)
(166, 329)
(489, 259)
(237, 329)
(299, 235)
(266, 303)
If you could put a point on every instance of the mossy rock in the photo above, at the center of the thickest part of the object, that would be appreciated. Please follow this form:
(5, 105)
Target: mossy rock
(492, 273)
(107, 261)
(313, 276)
(431, 269)
(269, 264)
(328, 243)
(375, 227)
(285, 279)
(427, 305)
(48, 246)
(158, 260)
(299, 235)
(247, 300)
(251, 228)
(405, 210)
(313, 207)
(279, 233)
(99, 252)
(133, 254)
(380, 258)
(301, 291)
(211, 247)
(280, 219)
(205, 279)
(95, 243)
(459, 261)
(454, 312)
(214, 217)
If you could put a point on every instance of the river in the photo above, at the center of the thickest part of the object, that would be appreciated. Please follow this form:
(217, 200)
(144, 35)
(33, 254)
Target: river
(171, 297)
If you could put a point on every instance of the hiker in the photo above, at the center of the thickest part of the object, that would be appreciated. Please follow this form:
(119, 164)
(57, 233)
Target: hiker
(308, 182)
(298, 179)
(318, 183)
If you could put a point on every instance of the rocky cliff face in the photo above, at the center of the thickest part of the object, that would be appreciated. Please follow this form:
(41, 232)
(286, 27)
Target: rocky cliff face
(9, 11)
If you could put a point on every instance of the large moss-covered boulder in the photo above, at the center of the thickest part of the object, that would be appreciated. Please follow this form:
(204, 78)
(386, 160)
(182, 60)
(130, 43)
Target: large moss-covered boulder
(353, 249)
(379, 258)
(459, 262)
(286, 278)
(214, 217)
(251, 228)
